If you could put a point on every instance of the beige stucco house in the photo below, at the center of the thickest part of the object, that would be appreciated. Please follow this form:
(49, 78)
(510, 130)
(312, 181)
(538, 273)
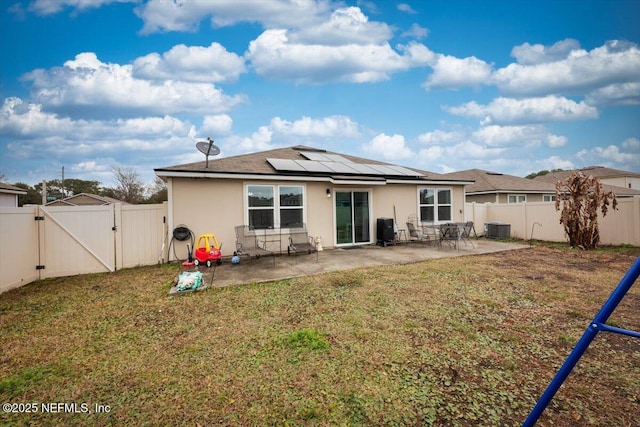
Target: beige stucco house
(85, 199)
(494, 187)
(622, 183)
(9, 195)
(339, 197)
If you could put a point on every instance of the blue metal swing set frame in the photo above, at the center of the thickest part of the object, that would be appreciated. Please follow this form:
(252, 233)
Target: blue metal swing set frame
(598, 324)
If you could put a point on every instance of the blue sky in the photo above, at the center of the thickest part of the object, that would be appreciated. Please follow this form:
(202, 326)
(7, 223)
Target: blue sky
(507, 86)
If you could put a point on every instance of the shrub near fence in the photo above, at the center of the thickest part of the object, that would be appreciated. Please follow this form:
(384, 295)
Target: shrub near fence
(619, 227)
(39, 242)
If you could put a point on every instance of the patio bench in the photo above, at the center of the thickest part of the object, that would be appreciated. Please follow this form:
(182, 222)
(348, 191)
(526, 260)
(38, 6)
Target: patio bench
(248, 243)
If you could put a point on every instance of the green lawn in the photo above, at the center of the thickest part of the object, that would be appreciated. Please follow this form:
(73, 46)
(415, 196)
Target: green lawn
(459, 341)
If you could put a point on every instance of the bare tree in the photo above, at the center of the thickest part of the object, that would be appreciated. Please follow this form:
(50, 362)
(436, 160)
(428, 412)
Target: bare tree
(157, 191)
(582, 196)
(129, 187)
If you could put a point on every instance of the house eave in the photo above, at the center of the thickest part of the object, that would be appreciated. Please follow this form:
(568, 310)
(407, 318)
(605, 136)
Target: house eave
(341, 180)
(479, 193)
(268, 177)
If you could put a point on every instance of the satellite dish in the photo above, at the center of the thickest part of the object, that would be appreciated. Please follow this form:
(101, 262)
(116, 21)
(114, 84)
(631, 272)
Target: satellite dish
(208, 149)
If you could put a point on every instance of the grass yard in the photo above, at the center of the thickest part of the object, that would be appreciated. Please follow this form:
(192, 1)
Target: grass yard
(459, 341)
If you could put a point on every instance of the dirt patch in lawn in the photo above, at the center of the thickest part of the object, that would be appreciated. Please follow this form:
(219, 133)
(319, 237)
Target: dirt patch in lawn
(457, 341)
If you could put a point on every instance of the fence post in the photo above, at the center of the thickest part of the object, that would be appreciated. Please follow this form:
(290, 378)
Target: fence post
(117, 236)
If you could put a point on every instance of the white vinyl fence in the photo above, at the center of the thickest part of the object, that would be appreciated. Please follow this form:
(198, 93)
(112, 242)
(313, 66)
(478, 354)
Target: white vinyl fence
(621, 226)
(37, 242)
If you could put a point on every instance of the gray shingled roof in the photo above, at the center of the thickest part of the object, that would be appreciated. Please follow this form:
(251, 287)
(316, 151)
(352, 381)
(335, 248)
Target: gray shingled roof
(493, 182)
(597, 171)
(11, 189)
(256, 164)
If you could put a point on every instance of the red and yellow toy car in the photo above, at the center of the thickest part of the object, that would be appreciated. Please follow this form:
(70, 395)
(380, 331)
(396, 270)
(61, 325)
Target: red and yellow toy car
(208, 250)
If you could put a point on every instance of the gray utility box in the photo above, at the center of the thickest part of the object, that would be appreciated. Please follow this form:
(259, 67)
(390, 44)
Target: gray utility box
(498, 230)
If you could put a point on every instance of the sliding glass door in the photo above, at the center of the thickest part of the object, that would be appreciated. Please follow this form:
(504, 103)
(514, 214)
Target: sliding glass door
(352, 217)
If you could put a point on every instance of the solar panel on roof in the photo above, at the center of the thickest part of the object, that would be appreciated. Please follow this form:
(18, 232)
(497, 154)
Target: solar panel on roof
(364, 169)
(312, 166)
(404, 171)
(345, 167)
(382, 169)
(338, 158)
(340, 167)
(317, 157)
(286, 165)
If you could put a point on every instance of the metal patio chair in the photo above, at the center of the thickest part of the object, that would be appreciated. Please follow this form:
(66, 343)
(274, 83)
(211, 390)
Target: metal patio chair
(417, 235)
(450, 233)
(299, 241)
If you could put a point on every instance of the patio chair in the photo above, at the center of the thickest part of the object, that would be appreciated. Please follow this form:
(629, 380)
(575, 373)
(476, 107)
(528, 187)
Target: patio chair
(299, 241)
(466, 233)
(450, 233)
(247, 243)
(416, 235)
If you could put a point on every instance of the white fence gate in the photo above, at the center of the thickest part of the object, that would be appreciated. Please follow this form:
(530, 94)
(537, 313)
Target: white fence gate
(38, 242)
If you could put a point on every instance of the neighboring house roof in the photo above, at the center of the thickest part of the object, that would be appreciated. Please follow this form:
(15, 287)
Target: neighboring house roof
(596, 171)
(492, 182)
(85, 199)
(303, 163)
(11, 189)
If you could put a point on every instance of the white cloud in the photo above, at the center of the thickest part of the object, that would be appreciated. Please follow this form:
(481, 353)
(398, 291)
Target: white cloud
(280, 132)
(624, 156)
(555, 162)
(213, 64)
(162, 15)
(51, 7)
(613, 154)
(450, 72)
(631, 145)
(573, 70)
(260, 140)
(88, 82)
(615, 94)
(528, 54)
(528, 110)
(274, 56)
(327, 127)
(496, 136)
(416, 31)
(406, 8)
(388, 147)
(440, 137)
(213, 126)
(36, 134)
(345, 26)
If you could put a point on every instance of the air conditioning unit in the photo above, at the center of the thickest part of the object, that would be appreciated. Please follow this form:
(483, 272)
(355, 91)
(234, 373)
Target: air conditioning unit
(498, 230)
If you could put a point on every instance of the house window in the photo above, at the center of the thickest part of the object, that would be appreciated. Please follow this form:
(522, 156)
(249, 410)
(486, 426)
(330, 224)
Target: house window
(290, 206)
(548, 197)
(267, 211)
(517, 198)
(435, 204)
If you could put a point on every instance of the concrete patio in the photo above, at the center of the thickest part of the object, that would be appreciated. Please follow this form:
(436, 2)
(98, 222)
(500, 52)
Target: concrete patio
(263, 269)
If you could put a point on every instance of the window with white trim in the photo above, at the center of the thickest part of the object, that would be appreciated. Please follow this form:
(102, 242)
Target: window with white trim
(517, 198)
(548, 197)
(435, 204)
(265, 210)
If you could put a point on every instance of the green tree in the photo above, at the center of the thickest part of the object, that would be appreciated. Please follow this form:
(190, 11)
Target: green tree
(541, 173)
(582, 197)
(33, 196)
